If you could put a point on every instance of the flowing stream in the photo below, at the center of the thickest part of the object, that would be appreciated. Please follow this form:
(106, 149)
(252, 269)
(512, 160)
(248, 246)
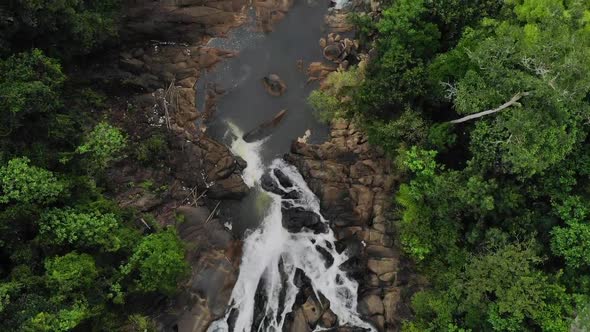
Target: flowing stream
(276, 258)
(272, 255)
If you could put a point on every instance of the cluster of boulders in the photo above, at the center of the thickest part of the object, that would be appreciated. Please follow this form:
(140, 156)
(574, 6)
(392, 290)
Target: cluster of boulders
(354, 183)
(341, 52)
(338, 49)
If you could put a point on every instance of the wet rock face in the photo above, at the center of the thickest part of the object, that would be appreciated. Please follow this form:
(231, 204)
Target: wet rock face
(209, 165)
(353, 182)
(179, 20)
(296, 218)
(214, 259)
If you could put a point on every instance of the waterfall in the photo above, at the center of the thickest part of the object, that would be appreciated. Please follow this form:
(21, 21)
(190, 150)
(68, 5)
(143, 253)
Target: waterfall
(272, 254)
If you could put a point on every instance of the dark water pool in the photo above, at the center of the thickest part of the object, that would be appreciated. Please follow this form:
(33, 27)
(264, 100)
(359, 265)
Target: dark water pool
(246, 103)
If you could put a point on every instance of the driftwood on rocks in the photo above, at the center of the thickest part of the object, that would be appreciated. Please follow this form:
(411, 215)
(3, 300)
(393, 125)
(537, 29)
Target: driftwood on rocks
(513, 101)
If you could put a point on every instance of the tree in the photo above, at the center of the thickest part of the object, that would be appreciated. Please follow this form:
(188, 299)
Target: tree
(157, 264)
(501, 290)
(81, 229)
(24, 183)
(545, 61)
(30, 83)
(62, 320)
(101, 146)
(70, 274)
(62, 28)
(572, 242)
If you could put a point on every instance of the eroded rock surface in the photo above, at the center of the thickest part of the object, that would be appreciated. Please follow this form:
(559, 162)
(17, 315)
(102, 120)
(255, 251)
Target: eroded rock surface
(355, 185)
(214, 259)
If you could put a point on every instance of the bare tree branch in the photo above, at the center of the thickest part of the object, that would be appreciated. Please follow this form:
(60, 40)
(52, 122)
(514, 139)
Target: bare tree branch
(507, 104)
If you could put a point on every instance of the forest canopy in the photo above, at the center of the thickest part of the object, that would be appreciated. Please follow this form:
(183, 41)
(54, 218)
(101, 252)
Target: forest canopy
(70, 257)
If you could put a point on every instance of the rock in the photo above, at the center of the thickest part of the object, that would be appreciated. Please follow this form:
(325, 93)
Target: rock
(390, 302)
(381, 252)
(232, 187)
(383, 265)
(197, 319)
(133, 65)
(339, 22)
(274, 85)
(379, 322)
(328, 319)
(303, 139)
(265, 129)
(371, 305)
(388, 277)
(299, 323)
(284, 180)
(311, 311)
(333, 51)
(295, 219)
(269, 184)
(140, 199)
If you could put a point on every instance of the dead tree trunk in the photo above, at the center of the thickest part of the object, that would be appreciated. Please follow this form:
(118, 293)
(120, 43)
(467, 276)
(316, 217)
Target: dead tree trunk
(507, 104)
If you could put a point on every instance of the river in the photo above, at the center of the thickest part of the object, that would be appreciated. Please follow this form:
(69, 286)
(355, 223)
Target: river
(274, 257)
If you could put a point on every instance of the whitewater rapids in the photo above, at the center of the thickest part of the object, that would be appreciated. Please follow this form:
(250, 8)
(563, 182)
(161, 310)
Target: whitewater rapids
(272, 255)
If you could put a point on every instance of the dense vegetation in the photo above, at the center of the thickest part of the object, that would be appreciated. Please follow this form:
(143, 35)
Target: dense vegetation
(70, 257)
(495, 210)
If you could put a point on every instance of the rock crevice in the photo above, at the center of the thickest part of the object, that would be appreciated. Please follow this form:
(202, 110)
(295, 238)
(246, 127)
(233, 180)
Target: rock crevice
(354, 183)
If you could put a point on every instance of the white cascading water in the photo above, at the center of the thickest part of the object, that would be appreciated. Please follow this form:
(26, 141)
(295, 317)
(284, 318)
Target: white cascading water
(272, 255)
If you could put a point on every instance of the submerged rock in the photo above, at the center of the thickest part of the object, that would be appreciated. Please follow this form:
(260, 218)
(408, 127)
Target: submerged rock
(274, 85)
(265, 129)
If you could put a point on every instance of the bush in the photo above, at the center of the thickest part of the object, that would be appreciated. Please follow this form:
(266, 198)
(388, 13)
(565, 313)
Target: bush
(157, 264)
(23, 183)
(151, 149)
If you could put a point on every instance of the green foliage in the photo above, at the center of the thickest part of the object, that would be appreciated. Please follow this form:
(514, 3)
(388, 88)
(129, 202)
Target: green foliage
(61, 240)
(522, 294)
(157, 264)
(494, 210)
(441, 136)
(7, 289)
(139, 323)
(102, 146)
(500, 290)
(421, 162)
(151, 149)
(24, 183)
(333, 100)
(61, 321)
(327, 107)
(63, 27)
(30, 83)
(71, 273)
(409, 128)
(572, 242)
(82, 229)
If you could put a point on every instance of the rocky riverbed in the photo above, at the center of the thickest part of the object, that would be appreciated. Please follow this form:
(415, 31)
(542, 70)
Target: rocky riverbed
(353, 182)
(158, 70)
